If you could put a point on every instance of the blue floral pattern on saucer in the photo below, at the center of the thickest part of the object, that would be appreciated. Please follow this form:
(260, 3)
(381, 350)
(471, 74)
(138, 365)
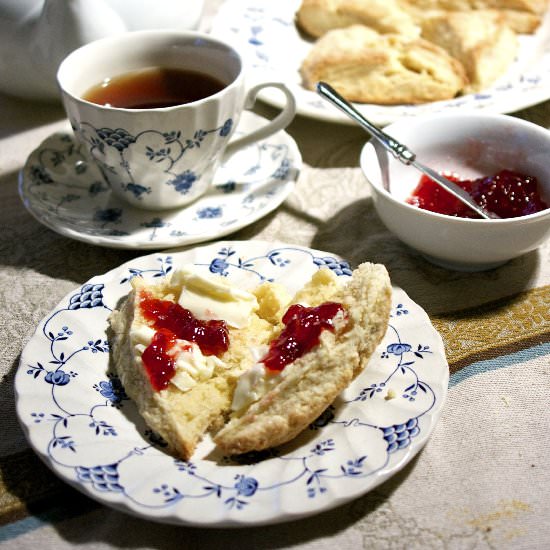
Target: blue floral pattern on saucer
(79, 419)
(66, 192)
(265, 33)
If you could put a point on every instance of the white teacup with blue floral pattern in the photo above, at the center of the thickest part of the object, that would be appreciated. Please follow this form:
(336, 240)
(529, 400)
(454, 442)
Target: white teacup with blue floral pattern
(162, 158)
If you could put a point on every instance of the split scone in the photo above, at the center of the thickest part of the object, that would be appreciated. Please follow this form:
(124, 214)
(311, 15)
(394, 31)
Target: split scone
(387, 69)
(480, 40)
(317, 17)
(274, 404)
(192, 350)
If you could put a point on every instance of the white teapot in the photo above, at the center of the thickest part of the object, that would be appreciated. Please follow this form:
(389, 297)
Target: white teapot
(35, 35)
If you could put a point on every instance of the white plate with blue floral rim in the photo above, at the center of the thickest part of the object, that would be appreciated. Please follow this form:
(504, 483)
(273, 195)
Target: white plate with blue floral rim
(265, 33)
(63, 190)
(78, 418)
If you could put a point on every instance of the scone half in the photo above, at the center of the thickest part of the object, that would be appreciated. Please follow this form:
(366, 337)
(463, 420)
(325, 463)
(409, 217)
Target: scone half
(312, 382)
(185, 409)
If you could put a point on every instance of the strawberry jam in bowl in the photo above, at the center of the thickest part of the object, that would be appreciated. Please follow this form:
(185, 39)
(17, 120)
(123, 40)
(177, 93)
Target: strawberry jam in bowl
(501, 161)
(507, 194)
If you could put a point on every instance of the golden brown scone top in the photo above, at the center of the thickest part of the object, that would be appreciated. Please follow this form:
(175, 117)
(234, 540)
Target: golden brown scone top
(316, 17)
(532, 6)
(480, 40)
(522, 16)
(389, 69)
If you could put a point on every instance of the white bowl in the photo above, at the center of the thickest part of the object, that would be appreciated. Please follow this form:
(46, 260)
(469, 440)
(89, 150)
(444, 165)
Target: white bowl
(472, 145)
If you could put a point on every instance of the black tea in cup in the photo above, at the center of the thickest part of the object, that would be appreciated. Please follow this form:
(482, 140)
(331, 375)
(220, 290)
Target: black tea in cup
(153, 87)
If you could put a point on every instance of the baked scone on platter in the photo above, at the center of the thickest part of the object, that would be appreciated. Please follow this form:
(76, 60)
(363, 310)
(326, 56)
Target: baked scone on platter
(253, 368)
(522, 16)
(481, 40)
(386, 69)
(317, 17)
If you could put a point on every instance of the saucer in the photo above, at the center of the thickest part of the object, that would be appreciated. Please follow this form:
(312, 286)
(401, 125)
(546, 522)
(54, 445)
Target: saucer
(65, 191)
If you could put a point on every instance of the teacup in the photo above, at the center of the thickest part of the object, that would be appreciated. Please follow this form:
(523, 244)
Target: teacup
(164, 157)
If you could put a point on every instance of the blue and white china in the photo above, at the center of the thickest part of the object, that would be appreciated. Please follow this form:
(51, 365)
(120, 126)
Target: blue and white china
(38, 34)
(162, 158)
(63, 190)
(80, 421)
(266, 35)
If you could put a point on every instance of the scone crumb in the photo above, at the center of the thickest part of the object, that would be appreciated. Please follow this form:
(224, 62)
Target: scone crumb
(390, 395)
(273, 299)
(322, 287)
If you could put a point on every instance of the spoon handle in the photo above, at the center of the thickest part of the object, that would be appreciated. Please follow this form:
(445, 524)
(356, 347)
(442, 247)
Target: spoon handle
(400, 151)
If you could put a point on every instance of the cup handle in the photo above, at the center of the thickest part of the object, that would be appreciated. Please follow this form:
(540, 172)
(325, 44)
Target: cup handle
(281, 121)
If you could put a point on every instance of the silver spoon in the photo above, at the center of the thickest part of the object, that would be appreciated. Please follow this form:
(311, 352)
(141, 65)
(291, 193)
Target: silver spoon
(400, 151)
